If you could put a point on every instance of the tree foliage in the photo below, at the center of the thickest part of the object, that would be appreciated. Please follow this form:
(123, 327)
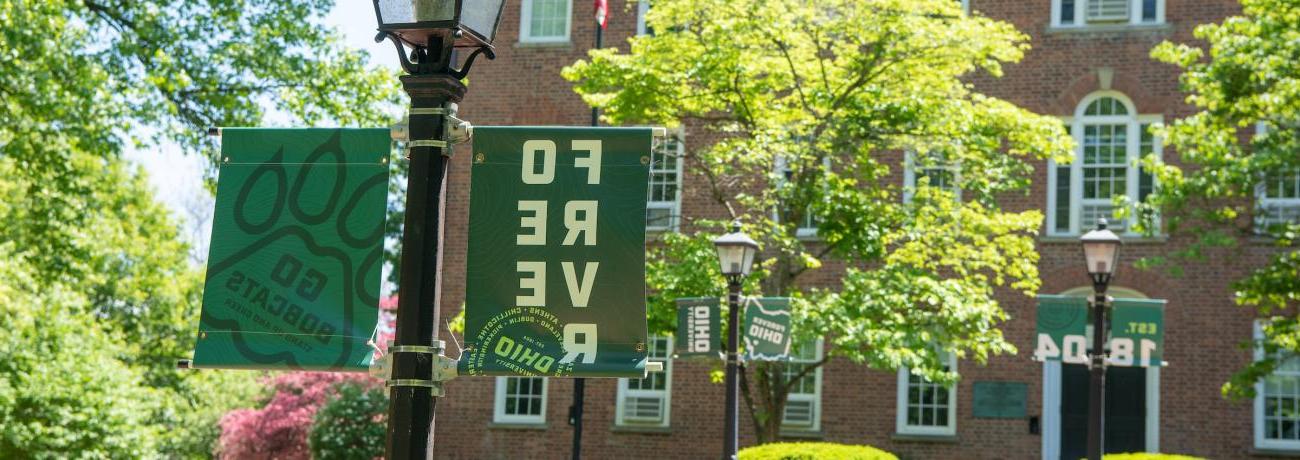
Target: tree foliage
(1247, 77)
(351, 425)
(811, 104)
(279, 429)
(88, 250)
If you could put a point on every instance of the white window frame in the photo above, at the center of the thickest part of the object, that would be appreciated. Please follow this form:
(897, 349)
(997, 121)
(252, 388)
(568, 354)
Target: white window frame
(674, 207)
(900, 420)
(642, 7)
(814, 398)
(525, 24)
(1134, 122)
(1081, 15)
(665, 395)
(910, 176)
(807, 229)
(1258, 412)
(1264, 202)
(499, 414)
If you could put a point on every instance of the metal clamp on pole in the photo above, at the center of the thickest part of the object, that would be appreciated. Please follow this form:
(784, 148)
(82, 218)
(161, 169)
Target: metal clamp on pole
(456, 130)
(444, 368)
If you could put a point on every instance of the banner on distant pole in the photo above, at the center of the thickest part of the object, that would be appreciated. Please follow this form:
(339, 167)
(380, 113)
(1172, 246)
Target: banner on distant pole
(767, 328)
(297, 243)
(699, 327)
(555, 269)
(1137, 332)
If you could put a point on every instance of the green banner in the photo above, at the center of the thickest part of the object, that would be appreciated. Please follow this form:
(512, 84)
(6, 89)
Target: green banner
(699, 327)
(767, 328)
(297, 243)
(1136, 334)
(555, 275)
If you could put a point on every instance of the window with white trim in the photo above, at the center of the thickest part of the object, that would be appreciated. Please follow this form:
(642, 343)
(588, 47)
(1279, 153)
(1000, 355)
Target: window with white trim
(924, 407)
(803, 406)
(647, 401)
(520, 400)
(1111, 140)
(545, 21)
(808, 225)
(1278, 197)
(1084, 13)
(1277, 404)
(664, 191)
(934, 173)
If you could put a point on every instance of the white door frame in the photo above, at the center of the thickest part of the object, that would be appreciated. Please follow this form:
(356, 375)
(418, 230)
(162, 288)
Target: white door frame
(1052, 393)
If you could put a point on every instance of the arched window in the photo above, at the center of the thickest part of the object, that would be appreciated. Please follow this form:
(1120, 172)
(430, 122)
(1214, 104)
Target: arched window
(1111, 139)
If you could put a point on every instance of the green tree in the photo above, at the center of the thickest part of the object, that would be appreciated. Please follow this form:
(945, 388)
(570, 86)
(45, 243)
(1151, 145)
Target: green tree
(63, 392)
(811, 104)
(81, 82)
(1248, 77)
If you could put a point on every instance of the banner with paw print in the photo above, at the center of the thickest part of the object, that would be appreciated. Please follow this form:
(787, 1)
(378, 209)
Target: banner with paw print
(297, 247)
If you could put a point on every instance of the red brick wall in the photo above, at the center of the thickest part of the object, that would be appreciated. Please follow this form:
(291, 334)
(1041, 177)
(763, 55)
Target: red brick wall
(522, 87)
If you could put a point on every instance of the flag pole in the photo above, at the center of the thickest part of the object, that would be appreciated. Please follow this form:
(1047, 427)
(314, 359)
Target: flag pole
(580, 384)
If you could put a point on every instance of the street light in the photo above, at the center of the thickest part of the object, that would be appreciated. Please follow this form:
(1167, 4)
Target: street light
(438, 26)
(736, 252)
(1101, 254)
(431, 30)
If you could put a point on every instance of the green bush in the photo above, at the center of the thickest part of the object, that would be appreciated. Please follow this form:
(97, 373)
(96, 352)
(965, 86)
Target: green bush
(813, 451)
(1149, 456)
(351, 425)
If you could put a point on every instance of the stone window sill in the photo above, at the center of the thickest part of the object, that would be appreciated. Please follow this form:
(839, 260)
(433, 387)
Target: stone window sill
(935, 438)
(641, 429)
(567, 45)
(1128, 239)
(1108, 29)
(517, 426)
(801, 434)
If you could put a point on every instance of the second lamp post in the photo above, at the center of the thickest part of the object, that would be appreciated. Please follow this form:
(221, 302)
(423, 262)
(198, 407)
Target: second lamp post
(1101, 252)
(736, 252)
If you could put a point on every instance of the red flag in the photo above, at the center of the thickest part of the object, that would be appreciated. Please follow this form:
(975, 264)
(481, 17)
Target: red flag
(602, 12)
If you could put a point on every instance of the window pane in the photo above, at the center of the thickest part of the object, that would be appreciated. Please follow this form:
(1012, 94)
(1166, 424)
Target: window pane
(549, 19)
(1148, 10)
(1067, 11)
(1062, 198)
(663, 184)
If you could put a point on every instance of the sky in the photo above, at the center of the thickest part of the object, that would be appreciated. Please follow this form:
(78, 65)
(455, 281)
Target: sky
(177, 177)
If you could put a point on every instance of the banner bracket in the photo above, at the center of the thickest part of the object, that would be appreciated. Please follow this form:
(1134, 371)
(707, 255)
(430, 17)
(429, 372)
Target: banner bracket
(444, 367)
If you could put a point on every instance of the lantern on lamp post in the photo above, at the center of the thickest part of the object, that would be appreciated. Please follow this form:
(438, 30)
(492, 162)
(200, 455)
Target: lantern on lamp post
(1101, 254)
(736, 252)
(426, 34)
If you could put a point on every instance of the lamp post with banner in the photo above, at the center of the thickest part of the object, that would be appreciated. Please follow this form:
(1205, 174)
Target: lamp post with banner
(736, 252)
(1101, 253)
(427, 35)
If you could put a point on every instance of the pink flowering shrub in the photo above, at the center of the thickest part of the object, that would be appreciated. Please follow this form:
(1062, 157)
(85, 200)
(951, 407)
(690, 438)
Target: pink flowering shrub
(279, 430)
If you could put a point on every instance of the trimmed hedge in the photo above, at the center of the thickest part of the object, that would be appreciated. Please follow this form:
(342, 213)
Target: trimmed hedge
(813, 451)
(1149, 456)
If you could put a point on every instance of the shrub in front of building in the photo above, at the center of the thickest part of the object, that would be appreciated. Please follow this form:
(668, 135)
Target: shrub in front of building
(1149, 456)
(813, 451)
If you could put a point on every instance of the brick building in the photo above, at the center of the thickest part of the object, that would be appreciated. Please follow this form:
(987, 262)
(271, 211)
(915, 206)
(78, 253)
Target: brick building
(1090, 66)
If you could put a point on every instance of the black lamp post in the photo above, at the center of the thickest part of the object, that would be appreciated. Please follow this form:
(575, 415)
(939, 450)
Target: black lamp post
(736, 252)
(426, 33)
(1101, 252)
